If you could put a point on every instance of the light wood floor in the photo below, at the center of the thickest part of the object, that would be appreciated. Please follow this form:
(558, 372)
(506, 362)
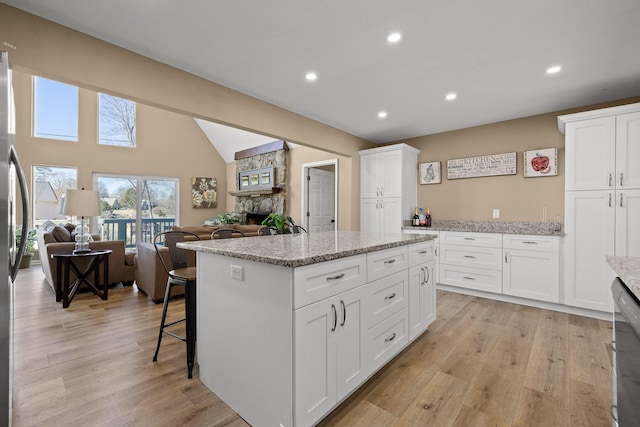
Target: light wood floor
(482, 363)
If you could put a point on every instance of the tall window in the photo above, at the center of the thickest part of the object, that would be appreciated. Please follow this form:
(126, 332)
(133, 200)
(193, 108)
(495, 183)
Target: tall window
(55, 110)
(49, 184)
(117, 121)
(136, 208)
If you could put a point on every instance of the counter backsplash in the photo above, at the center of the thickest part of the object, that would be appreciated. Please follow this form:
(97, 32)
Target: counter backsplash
(505, 227)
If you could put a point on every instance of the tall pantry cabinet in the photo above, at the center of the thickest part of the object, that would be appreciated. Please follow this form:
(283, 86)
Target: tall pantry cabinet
(602, 199)
(388, 187)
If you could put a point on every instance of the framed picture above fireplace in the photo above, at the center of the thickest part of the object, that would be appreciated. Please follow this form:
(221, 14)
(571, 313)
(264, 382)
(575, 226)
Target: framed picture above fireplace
(255, 179)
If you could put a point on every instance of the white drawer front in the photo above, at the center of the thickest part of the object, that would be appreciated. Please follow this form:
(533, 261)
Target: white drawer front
(387, 296)
(471, 278)
(421, 252)
(387, 338)
(471, 256)
(531, 243)
(386, 262)
(491, 240)
(319, 281)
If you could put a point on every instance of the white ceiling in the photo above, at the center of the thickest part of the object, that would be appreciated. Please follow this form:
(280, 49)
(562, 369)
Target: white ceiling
(492, 53)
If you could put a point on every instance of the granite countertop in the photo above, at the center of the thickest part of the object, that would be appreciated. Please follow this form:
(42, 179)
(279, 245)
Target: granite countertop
(504, 227)
(296, 250)
(628, 269)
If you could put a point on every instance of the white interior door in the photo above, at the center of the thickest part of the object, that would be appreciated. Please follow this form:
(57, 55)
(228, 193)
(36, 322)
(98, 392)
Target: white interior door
(321, 208)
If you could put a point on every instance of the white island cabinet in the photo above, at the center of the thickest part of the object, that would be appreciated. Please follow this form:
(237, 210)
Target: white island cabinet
(289, 326)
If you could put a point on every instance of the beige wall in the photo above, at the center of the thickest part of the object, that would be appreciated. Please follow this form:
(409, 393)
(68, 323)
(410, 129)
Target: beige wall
(53, 51)
(168, 144)
(518, 198)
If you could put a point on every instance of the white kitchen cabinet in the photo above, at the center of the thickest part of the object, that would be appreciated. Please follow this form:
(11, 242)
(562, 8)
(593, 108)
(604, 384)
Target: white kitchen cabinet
(388, 187)
(602, 183)
(330, 353)
(531, 267)
(422, 297)
(435, 246)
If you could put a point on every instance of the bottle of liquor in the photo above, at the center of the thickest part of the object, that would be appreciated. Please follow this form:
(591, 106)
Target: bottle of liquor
(428, 218)
(421, 217)
(416, 218)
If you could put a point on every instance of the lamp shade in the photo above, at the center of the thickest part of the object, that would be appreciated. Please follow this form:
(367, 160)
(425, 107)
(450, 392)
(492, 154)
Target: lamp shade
(83, 203)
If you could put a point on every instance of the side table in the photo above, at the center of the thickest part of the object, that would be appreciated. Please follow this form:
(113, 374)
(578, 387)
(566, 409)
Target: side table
(68, 261)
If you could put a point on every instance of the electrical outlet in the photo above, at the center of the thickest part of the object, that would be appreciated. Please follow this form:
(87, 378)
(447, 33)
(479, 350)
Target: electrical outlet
(237, 272)
(496, 213)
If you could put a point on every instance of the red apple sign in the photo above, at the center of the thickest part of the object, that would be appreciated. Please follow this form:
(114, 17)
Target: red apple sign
(540, 163)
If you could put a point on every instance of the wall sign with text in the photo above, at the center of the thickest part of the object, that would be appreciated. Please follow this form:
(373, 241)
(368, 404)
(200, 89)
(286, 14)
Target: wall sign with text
(489, 165)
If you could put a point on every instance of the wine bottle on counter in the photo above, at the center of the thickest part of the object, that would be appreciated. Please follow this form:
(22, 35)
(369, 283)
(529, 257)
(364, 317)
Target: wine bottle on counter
(428, 218)
(421, 217)
(416, 218)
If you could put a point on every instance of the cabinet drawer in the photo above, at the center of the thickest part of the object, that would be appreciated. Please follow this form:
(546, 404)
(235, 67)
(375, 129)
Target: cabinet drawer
(471, 278)
(471, 256)
(421, 252)
(490, 240)
(319, 281)
(531, 243)
(387, 338)
(386, 262)
(387, 296)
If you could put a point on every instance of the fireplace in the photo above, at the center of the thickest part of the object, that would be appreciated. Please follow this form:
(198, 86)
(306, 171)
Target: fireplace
(251, 218)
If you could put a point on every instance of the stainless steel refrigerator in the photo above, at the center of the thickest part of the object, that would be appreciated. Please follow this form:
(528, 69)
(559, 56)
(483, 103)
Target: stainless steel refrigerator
(11, 180)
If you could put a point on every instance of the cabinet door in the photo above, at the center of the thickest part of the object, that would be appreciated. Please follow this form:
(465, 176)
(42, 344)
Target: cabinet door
(391, 220)
(370, 176)
(628, 151)
(628, 223)
(422, 298)
(370, 215)
(589, 238)
(315, 360)
(531, 274)
(391, 173)
(351, 356)
(590, 154)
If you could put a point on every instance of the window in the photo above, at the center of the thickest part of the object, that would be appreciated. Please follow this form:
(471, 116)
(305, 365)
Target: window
(49, 184)
(117, 121)
(55, 110)
(136, 208)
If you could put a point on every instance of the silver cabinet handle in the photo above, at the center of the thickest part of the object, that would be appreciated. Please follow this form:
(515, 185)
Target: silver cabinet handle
(470, 256)
(610, 200)
(529, 242)
(436, 251)
(610, 180)
(335, 317)
(614, 413)
(381, 191)
(423, 252)
(344, 313)
(336, 277)
(421, 276)
(390, 261)
(391, 296)
(506, 254)
(381, 204)
(391, 338)
(469, 278)
(621, 200)
(426, 270)
(469, 238)
(613, 346)
(621, 179)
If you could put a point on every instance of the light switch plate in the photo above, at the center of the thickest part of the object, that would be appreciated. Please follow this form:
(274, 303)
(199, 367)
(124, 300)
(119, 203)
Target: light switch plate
(496, 213)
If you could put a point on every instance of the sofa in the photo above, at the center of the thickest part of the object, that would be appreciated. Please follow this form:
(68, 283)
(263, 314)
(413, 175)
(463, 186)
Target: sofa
(56, 238)
(151, 278)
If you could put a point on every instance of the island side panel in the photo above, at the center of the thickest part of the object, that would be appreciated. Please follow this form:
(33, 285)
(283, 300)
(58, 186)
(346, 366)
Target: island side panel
(245, 337)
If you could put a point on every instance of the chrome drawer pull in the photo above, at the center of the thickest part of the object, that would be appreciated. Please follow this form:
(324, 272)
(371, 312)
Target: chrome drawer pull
(423, 252)
(335, 317)
(344, 313)
(469, 238)
(336, 277)
(390, 261)
(528, 242)
(391, 338)
(470, 256)
(468, 278)
(392, 296)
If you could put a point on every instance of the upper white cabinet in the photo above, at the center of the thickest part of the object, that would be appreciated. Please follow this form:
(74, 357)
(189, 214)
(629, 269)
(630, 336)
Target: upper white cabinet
(388, 187)
(602, 199)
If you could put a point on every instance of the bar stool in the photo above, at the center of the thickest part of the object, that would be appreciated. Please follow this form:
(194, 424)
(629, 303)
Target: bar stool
(179, 275)
(295, 229)
(226, 233)
(265, 231)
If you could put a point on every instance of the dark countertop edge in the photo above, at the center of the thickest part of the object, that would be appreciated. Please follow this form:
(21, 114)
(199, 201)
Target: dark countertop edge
(301, 262)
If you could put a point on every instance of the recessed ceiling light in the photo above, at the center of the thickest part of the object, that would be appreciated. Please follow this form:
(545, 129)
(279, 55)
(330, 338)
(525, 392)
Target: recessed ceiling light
(450, 96)
(382, 115)
(553, 70)
(311, 76)
(394, 37)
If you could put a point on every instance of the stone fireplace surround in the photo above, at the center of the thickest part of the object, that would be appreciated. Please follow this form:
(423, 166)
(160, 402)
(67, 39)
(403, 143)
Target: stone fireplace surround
(256, 206)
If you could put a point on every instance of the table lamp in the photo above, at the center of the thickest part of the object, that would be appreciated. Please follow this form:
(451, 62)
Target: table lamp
(82, 203)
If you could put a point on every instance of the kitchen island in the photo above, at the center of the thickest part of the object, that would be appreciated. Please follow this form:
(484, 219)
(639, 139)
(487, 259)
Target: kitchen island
(290, 325)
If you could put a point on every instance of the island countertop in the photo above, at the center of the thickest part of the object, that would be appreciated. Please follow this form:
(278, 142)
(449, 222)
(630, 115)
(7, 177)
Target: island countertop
(297, 250)
(628, 269)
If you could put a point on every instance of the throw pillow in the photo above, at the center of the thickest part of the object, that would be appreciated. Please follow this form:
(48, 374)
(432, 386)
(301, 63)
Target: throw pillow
(61, 234)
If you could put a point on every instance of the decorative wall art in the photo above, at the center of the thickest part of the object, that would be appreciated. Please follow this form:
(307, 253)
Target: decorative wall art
(204, 192)
(542, 162)
(489, 165)
(429, 173)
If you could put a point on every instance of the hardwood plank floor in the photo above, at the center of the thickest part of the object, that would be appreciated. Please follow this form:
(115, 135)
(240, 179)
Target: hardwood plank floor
(482, 363)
